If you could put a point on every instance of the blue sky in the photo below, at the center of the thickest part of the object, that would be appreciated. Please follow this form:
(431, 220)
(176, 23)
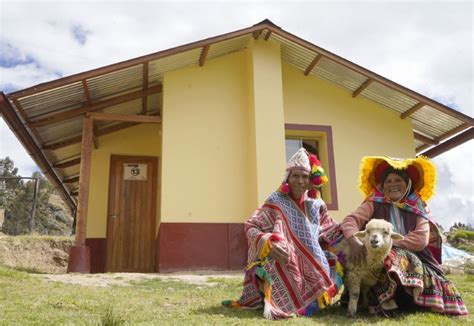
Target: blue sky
(424, 45)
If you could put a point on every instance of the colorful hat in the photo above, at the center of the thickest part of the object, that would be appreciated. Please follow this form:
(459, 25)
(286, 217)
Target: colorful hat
(421, 171)
(302, 160)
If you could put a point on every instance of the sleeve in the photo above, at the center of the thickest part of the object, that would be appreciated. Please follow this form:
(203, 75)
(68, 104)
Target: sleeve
(417, 239)
(357, 220)
(326, 222)
(261, 231)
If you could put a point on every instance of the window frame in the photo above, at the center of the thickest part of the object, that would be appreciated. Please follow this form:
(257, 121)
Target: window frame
(330, 169)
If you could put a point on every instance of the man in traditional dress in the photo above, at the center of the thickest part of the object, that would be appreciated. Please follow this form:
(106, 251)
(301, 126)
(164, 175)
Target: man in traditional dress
(288, 273)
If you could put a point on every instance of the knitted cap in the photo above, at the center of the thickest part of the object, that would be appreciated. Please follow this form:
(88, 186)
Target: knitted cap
(302, 160)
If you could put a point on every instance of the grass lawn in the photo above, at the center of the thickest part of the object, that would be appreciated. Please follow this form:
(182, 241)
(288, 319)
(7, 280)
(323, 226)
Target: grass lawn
(27, 299)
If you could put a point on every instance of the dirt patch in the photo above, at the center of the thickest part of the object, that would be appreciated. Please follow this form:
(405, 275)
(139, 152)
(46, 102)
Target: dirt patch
(203, 278)
(41, 254)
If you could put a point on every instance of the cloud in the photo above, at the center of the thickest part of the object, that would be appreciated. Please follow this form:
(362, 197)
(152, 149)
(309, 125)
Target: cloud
(80, 34)
(454, 200)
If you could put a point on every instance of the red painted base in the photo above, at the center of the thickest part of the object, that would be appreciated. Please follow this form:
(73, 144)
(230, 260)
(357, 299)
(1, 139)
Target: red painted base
(79, 260)
(198, 246)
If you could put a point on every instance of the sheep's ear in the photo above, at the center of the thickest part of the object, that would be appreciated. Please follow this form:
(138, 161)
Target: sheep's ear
(359, 234)
(396, 236)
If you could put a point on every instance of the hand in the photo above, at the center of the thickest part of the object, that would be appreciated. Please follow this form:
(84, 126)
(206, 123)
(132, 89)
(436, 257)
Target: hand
(278, 254)
(358, 251)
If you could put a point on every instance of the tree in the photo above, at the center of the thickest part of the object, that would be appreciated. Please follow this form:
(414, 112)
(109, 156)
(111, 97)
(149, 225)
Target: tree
(19, 198)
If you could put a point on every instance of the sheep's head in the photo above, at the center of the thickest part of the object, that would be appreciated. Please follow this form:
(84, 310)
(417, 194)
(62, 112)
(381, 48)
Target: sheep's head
(378, 234)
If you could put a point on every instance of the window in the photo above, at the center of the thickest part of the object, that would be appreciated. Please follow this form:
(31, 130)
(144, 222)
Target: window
(316, 140)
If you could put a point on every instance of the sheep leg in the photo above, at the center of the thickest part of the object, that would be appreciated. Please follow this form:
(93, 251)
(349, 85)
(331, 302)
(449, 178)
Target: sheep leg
(354, 291)
(365, 296)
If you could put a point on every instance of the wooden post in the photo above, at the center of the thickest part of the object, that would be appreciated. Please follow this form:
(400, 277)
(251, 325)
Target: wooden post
(84, 177)
(33, 208)
(79, 256)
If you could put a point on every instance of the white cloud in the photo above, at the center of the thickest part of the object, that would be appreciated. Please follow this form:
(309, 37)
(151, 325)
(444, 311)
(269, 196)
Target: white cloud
(424, 45)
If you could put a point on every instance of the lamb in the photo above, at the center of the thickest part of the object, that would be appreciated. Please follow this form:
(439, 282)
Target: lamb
(377, 237)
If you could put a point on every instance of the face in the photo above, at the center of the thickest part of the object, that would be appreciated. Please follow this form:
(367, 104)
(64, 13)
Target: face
(394, 187)
(299, 182)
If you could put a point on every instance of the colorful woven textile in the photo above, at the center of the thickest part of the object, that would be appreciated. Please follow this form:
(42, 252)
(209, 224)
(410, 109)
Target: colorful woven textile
(428, 288)
(301, 286)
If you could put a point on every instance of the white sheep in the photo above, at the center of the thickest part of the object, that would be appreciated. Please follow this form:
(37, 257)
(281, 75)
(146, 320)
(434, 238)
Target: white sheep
(377, 238)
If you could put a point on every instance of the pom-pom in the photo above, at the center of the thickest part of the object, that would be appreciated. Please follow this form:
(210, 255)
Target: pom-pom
(324, 179)
(314, 160)
(316, 180)
(284, 188)
(313, 193)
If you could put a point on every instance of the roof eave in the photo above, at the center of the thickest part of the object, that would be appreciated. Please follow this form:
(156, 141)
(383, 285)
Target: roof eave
(449, 144)
(14, 122)
(370, 74)
(136, 61)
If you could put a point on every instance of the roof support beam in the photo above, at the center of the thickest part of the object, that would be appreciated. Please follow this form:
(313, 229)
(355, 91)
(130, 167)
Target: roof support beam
(267, 36)
(453, 132)
(362, 87)
(124, 117)
(62, 143)
(86, 92)
(145, 87)
(412, 110)
(449, 144)
(312, 64)
(78, 139)
(447, 135)
(67, 164)
(97, 106)
(257, 34)
(204, 52)
(71, 180)
(424, 139)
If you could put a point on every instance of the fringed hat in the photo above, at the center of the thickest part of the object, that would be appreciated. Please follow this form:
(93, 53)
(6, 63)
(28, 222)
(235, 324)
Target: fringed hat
(421, 171)
(302, 160)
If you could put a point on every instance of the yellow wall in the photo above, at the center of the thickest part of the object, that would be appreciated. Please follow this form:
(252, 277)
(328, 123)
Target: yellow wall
(360, 127)
(206, 135)
(141, 140)
(268, 116)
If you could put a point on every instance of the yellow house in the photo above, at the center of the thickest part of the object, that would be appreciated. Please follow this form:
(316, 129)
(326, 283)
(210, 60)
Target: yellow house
(165, 156)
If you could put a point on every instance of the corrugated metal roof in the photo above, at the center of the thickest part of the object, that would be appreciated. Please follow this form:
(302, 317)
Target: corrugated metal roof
(56, 100)
(158, 68)
(60, 131)
(433, 120)
(228, 46)
(116, 82)
(388, 97)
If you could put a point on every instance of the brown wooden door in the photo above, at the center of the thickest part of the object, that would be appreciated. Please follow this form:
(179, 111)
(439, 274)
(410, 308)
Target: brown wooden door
(131, 214)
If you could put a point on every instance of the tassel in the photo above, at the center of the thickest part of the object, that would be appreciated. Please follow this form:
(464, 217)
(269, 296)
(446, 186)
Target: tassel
(284, 188)
(267, 310)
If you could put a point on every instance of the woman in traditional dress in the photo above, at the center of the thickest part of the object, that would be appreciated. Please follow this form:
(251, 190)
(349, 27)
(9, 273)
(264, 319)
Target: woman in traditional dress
(288, 273)
(397, 190)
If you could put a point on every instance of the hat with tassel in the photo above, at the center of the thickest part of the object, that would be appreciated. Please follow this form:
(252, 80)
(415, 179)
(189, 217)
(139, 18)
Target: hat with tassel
(302, 160)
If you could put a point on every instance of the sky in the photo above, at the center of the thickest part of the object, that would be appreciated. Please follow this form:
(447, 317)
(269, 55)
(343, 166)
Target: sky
(426, 46)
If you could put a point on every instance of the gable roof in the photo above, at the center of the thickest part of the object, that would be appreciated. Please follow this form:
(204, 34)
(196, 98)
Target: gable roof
(47, 118)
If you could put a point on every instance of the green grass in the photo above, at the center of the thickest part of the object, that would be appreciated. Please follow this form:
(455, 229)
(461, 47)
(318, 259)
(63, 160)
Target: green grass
(27, 299)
